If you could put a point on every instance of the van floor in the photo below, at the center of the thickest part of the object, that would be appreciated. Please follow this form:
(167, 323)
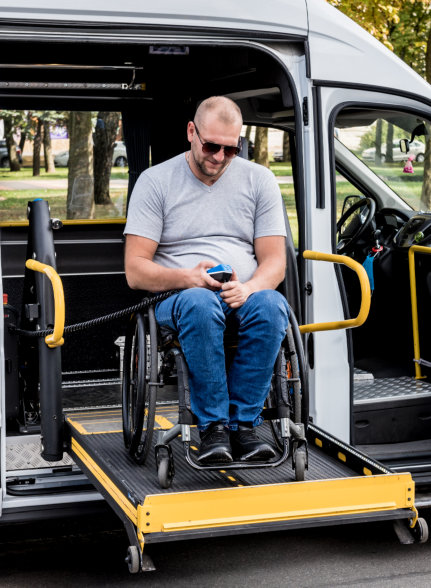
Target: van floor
(382, 395)
(367, 387)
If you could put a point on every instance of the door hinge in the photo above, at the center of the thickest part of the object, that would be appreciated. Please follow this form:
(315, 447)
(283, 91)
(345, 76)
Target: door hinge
(308, 288)
(305, 111)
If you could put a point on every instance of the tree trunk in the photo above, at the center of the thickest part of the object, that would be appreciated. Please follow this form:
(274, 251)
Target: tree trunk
(80, 200)
(286, 146)
(104, 140)
(261, 146)
(390, 143)
(47, 148)
(11, 147)
(22, 141)
(37, 143)
(378, 155)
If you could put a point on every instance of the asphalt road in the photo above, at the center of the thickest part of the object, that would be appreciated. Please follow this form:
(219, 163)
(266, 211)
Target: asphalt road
(91, 553)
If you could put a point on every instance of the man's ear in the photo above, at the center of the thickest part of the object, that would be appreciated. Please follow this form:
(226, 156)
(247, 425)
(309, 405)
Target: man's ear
(190, 131)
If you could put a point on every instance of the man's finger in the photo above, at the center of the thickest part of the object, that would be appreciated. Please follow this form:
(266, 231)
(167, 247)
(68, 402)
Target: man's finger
(211, 282)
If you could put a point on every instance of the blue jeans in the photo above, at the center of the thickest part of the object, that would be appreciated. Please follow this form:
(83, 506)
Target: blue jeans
(199, 318)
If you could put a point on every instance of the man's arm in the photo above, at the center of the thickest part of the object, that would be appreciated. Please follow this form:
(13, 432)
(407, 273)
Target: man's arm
(271, 258)
(142, 273)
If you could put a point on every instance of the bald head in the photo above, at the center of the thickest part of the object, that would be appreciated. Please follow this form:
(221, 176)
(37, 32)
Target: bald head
(219, 107)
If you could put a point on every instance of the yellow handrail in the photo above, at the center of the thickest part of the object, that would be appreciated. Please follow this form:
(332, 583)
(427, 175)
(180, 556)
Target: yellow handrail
(414, 302)
(365, 293)
(56, 339)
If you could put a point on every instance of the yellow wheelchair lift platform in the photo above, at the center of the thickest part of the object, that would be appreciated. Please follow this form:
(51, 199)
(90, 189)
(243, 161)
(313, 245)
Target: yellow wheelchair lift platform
(342, 486)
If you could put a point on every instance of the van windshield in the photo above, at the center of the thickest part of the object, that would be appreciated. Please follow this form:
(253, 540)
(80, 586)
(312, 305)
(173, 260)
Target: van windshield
(396, 146)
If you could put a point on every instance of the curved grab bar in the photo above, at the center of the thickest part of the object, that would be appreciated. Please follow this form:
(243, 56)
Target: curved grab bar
(414, 302)
(56, 339)
(365, 293)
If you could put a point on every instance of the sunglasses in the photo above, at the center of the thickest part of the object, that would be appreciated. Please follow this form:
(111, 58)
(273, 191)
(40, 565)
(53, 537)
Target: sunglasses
(212, 148)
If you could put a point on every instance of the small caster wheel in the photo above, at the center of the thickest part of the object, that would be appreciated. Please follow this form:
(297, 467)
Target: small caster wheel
(164, 473)
(300, 465)
(133, 560)
(165, 465)
(420, 531)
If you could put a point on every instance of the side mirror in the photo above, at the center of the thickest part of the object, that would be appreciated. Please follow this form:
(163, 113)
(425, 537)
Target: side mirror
(349, 201)
(404, 146)
(419, 131)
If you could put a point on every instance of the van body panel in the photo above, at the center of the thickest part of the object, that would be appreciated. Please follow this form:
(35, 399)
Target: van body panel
(278, 16)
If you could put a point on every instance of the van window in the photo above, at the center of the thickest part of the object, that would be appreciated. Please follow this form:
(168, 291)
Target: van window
(378, 139)
(77, 160)
(278, 158)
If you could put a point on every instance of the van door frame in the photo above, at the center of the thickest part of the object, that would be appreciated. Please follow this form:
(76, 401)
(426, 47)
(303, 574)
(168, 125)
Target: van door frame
(332, 99)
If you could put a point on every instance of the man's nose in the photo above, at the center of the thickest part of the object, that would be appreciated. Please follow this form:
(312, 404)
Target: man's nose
(219, 156)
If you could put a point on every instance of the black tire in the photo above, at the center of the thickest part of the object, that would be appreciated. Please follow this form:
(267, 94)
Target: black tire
(420, 157)
(297, 338)
(300, 464)
(4, 162)
(121, 161)
(133, 560)
(164, 473)
(290, 365)
(420, 531)
(139, 395)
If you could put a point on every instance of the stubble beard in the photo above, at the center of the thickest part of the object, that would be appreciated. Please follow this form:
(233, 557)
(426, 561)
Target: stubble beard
(201, 165)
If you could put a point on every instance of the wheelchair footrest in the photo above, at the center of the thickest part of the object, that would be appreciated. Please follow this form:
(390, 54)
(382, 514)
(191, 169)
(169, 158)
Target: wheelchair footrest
(237, 465)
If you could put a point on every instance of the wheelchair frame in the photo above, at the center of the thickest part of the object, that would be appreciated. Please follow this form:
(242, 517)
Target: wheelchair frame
(150, 357)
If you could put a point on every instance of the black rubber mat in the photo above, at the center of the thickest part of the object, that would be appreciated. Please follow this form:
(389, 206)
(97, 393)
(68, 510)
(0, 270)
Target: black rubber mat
(107, 450)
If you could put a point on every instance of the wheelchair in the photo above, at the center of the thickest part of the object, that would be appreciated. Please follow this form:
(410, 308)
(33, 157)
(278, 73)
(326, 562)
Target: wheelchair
(152, 358)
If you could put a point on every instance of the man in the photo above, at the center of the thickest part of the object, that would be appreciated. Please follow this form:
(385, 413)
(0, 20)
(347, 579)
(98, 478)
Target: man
(186, 215)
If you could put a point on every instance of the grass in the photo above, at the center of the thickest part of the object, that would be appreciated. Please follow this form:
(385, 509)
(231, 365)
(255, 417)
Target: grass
(281, 169)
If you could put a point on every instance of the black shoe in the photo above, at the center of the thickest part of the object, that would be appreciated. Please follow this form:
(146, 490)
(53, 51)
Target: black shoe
(215, 445)
(247, 446)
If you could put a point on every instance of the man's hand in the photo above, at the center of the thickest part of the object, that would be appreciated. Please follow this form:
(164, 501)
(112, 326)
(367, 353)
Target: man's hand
(198, 277)
(235, 293)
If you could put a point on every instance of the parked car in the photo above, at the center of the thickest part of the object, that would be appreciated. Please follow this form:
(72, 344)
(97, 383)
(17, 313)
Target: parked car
(278, 156)
(4, 156)
(417, 148)
(119, 156)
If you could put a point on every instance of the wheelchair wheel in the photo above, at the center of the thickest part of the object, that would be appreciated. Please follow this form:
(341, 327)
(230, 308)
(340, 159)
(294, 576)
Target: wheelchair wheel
(289, 384)
(138, 389)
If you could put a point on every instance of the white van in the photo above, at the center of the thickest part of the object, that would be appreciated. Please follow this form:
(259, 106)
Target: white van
(297, 66)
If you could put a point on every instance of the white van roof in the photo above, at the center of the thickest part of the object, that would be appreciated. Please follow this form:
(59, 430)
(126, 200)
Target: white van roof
(340, 50)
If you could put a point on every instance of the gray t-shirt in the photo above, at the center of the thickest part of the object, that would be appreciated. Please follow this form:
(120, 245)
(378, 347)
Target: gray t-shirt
(192, 221)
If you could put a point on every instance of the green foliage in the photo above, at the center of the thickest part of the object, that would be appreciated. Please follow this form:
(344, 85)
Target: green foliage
(402, 25)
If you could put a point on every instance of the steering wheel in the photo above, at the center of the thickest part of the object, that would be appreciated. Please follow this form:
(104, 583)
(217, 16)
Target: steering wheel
(353, 223)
